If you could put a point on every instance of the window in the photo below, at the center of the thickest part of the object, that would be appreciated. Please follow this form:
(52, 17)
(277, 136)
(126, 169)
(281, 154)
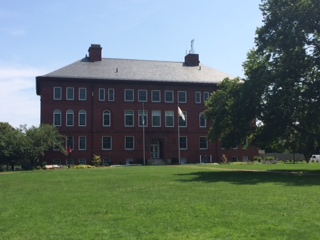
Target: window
(128, 95)
(82, 161)
(70, 93)
(106, 143)
(57, 93)
(69, 118)
(156, 118)
(182, 97)
(155, 94)
(129, 143)
(183, 143)
(234, 159)
(82, 94)
(107, 161)
(69, 142)
(106, 118)
(82, 143)
(57, 117)
(203, 143)
(181, 122)
(143, 118)
(169, 118)
(205, 96)
(111, 94)
(142, 95)
(169, 96)
(128, 118)
(202, 120)
(82, 118)
(102, 94)
(198, 97)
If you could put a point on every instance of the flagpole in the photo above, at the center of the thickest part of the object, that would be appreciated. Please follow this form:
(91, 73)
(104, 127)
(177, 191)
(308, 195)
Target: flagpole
(143, 136)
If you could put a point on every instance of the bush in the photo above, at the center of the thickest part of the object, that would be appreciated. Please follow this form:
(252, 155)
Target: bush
(83, 166)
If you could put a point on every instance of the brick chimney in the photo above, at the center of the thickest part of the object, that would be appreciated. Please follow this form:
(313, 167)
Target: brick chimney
(191, 60)
(95, 52)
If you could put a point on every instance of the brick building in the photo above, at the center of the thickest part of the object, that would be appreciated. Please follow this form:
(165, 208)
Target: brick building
(126, 111)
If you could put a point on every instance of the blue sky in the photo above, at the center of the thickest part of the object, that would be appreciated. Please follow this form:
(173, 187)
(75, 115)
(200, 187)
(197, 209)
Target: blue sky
(38, 37)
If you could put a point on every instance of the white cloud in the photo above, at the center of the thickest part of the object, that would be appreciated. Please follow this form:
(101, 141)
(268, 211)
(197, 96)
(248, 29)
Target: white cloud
(19, 103)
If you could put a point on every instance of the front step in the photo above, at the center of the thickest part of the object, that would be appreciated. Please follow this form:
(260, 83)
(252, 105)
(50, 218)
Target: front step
(157, 162)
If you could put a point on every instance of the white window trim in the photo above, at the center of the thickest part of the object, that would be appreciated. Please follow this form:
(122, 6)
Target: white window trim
(110, 137)
(85, 93)
(142, 90)
(185, 93)
(153, 111)
(205, 121)
(71, 125)
(197, 100)
(206, 143)
(171, 115)
(186, 148)
(152, 92)
(103, 114)
(125, 95)
(125, 143)
(165, 99)
(140, 114)
(57, 111)
(104, 94)
(125, 115)
(79, 143)
(109, 94)
(67, 93)
(54, 93)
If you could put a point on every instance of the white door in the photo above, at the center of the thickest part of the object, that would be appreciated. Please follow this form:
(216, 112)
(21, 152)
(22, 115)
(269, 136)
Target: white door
(155, 150)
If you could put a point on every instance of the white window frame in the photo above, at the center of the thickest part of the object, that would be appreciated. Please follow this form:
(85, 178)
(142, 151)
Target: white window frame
(186, 141)
(128, 114)
(57, 112)
(82, 112)
(182, 123)
(156, 114)
(126, 142)
(202, 120)
(72, 142)
(69, 93)
(165, 96)
(153, 92)
(206, 96)
(102, 142)
(140, 114)
(169, 115)
(102, 94)
(127, 91)
(111, 94)
(184, 100)
(200, 138)
(197, 97)
(106, 114)
(69, 112)
(83, 91)
(80, 142)
(57, 91)
(82, 161)
(141, 97)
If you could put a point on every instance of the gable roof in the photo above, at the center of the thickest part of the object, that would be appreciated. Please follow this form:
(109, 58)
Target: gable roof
(138, 70)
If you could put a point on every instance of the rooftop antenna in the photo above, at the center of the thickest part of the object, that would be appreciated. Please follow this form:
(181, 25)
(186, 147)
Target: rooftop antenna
(192, 49)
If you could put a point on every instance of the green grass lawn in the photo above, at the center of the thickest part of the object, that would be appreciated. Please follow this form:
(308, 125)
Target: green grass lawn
(164, 202)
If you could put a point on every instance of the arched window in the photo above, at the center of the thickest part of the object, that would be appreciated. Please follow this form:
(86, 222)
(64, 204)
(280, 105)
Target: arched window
(57, 117)
(82, 118)
(70, 118)
(106, 118)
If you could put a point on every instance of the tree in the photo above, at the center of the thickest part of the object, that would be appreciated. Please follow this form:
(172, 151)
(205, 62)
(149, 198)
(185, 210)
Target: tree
(282, 79)
(40, 140)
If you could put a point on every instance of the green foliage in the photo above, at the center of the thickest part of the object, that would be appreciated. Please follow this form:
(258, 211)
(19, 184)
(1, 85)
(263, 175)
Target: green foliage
(26, 145)
(281, 90)
(96, 160)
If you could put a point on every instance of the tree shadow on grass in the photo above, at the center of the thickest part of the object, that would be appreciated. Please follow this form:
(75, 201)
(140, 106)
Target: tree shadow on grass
(285, 177)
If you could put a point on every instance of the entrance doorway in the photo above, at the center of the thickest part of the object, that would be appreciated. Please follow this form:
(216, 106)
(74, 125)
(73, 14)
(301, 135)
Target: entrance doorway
(155, 149)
